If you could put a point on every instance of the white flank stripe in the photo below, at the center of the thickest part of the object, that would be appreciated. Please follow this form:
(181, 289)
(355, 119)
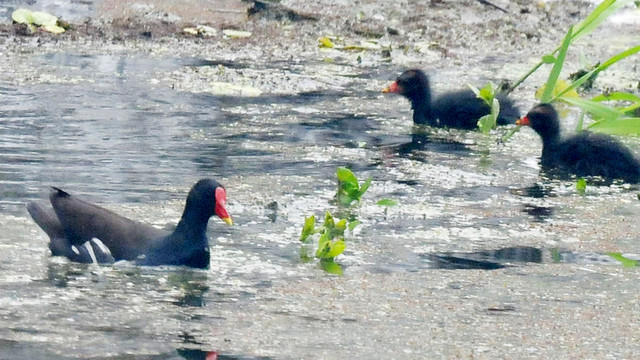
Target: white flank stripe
(102, 246)
(90, 250)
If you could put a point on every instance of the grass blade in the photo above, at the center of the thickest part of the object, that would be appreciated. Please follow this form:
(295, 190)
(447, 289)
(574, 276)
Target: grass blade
(621, 126)
(614, 59)
(597, 16)
(598, 110)
(617, 96)
(557, 68)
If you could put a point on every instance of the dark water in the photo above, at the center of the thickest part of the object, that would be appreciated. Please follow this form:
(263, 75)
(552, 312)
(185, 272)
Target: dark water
(115, 130)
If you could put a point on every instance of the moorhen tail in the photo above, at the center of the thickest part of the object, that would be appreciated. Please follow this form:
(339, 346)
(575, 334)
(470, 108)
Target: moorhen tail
(583, 154)
(85, 232)
(459, 109)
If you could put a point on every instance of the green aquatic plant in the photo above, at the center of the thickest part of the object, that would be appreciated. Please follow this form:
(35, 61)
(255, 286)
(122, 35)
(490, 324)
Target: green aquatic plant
(37, 19)
(607, 119)
(331, 240)
(332, 234)
(626, 262)
(349, 189)
(387, 202)
(581, 186)
(586, 26)
(621, 120)
(487, 94)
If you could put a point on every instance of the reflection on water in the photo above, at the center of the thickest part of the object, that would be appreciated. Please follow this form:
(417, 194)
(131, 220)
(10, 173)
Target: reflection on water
(501, 258)
(539, 213)
(192, 354)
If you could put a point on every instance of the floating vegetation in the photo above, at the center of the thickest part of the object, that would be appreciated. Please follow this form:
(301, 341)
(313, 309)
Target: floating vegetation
(332, 233)
(332, 43)
(200, 30)
(37, 20)
(331, 241)
(236, 34)
(622, 120)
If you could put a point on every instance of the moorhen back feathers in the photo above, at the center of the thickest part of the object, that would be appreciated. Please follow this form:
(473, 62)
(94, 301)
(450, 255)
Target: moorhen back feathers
(459, 109)
(583, 154)
(85, 232)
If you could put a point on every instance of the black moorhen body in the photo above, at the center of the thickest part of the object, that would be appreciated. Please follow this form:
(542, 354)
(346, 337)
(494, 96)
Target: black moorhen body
(583, 154)
(84, 232)
(459, 109)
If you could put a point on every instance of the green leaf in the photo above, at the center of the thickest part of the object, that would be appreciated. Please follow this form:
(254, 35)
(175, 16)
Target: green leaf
(597, 16)
(328, 220)
(347, 176)
(325, 42)
(580, 123)
(474, 89)
(387, 202)
(625, 262)
(617, 96)
(597, 109)
(331, 267)
(349, 188)
(43, 19)
(352, 225)
(486, 123)
(487, 93)
(612, 60)
(548, 59)
(364, 188)
(323, 245)
(54, 29)
(557, 68)
(341, 226)
(581, 186)
(308, 229)
(344, 199)
(22, 16)
(621, 96)
(619, 126)
(335, 248)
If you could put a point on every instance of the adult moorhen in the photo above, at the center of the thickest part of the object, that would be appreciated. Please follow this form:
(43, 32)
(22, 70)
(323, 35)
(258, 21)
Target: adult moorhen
(583, 154)
(84, 232)
(459, 109)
